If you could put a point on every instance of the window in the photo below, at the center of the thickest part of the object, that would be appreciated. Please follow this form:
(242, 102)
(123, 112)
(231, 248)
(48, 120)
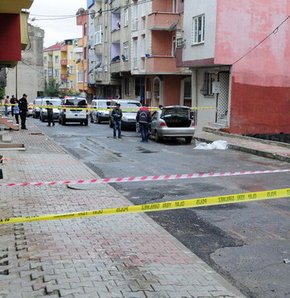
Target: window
(135, 52)
(126, 17)
(80, 77)
(45, 72)
(187, 92)
(143, 45)
(56, 59)
(157, 86)
(127, 86)
(56, 73)
(207, 84)
(135, 17)
(125, 51)
(71, 84)
(71, 69)
(44, 60)
(173, 53)
(71, 55)
(49, 73)
(198, 25)
(98, 35)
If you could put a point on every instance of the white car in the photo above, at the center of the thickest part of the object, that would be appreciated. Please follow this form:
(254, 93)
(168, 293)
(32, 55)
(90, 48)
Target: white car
(36, 109)
(101, 110)
(129, 110)
(43, 111)
(71, 113)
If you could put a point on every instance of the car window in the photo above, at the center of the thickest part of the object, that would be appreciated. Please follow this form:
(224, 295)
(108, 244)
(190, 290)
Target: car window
(176, 112)
(75, 102)
(54, 102)
(155, 116)
(104, 104)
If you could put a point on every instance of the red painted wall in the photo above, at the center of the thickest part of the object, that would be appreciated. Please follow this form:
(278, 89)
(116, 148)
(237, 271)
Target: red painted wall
(260, 91)
(171, 90)
(10, 49)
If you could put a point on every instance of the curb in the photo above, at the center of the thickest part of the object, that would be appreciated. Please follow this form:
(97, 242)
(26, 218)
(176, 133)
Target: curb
(250, 150)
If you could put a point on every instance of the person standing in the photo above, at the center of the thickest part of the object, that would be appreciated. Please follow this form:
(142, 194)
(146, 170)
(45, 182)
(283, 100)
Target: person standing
(13, 101)
(116, 118)
(143, 117)
(23, 108)
(15, 109)
(6, 103)
(49, 114)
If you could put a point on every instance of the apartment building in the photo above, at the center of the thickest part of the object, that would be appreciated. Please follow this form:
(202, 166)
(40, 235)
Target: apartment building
(238, 52)
(27, 76)
(131, 50)
(51, 62)
(63, 62)
(71, 54)
(82, 50)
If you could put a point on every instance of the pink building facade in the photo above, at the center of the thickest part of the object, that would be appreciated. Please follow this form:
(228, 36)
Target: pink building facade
(247, 66)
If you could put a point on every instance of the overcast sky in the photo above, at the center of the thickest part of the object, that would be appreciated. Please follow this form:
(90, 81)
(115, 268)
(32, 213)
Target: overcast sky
(56, 30)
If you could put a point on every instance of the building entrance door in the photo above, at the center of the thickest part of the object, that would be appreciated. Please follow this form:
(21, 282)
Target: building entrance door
(223, 99)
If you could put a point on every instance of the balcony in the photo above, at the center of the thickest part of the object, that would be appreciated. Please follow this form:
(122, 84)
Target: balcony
(161, 64)
(167, 21)
(115, 66)
(64, 76)
(63, 62)
(15, 6)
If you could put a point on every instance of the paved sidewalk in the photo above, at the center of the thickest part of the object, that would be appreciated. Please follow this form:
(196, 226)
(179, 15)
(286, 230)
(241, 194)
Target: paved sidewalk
(265, 148)
(111, 256)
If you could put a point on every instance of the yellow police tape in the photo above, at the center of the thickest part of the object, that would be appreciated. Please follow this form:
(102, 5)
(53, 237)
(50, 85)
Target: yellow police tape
(191, 203)
(97, 109)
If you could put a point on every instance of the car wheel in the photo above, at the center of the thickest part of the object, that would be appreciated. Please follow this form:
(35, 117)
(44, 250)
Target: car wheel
(98, 120)
(157, 137)
(41, 118)
(63, 122)
(188, 140)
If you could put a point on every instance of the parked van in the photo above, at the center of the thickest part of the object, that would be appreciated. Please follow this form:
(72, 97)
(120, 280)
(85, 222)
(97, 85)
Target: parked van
(101, 112)
(71, 113)
(43, 111)
(129, 109)
(36, 110)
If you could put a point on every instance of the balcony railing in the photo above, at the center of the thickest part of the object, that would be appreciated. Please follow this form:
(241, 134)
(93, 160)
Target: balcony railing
(63, 61)
(64, 76)
(162, 64)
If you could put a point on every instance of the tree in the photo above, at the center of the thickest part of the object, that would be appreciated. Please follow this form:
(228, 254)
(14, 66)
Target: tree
(52, 88)
(2, 92)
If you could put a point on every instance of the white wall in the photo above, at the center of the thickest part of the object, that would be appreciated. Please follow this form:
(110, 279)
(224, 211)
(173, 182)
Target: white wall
(192, 9)
(204, 116)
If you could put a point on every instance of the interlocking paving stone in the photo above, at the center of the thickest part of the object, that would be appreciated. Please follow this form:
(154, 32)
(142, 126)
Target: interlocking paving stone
(110, 256)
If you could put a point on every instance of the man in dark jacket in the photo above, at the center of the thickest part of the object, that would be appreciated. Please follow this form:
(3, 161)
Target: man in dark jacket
(49, 113)
(116, 118)
(23, 108)
(144, 118)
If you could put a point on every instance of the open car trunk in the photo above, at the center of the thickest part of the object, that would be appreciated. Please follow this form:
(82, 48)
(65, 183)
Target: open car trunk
(176, 117)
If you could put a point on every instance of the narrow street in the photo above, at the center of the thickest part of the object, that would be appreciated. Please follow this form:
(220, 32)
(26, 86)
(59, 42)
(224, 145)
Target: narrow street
(244, 242)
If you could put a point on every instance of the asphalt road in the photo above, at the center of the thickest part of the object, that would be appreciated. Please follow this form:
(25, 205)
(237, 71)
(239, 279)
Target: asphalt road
(246, 242)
